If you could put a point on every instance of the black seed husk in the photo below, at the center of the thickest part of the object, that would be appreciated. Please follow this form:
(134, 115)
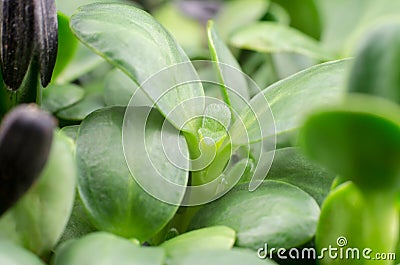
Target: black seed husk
(46, 28)
(17, 40)
(26, 135)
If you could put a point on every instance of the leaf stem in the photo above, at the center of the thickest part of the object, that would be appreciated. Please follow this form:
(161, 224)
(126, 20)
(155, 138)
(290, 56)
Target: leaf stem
(381, 221)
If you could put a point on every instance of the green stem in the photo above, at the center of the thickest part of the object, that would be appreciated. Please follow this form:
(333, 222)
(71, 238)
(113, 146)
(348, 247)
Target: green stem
(31, 90)
(215, 169)
(180, 222)
(381, 222)
(8, 99)
(193, 145)
(183, 218)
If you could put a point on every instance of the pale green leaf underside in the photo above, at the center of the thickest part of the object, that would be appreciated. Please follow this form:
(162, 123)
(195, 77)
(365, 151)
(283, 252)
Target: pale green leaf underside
(272, 37)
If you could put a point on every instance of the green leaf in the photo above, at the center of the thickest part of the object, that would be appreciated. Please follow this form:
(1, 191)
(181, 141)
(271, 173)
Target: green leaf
(57, 97)
(67, 45)
(69, 7)
(288, 217)
(71, 131)
(287, 64)
(216, 121)
(210, 238)
(157, 156)
(279, 110)
(278, 13)
(112, 197)
(78, 224)
(376, 66)
(40, 216)
(350, 219)
(119, 38)
(232, 257)
(119, 89)
(93, 100)
(83, 108)
(11, 254)
(359, 139)
(291, 100)
(106, 249)
(292, 167)
(237, 13)
(83, 62)
(272, 37)
(237, 170)
(188, 31)
(344, 22)
(261, 68)
(303, 15)
(233, 81)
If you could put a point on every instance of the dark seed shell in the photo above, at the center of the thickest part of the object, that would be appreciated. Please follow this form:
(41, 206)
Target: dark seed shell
(47, 38)
(17, 40)
(26, 134)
